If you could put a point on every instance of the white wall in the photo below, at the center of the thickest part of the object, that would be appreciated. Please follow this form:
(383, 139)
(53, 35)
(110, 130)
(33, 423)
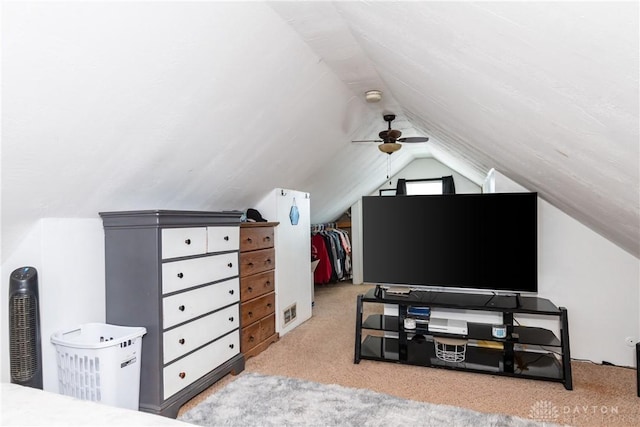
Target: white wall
(431, 168)
(164, 105)
(597, 281)
(69, 257)
(356, 242)
(293, 254)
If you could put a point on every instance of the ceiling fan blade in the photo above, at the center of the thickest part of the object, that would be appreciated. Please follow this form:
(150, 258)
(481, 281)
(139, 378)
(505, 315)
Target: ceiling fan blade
(414, 139)
(368, 140)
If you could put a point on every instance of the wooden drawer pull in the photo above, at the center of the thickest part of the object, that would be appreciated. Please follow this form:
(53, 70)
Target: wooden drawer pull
(188, 241)
(250, 264)
(268, 261)
(181, 308)
(269, 305)
(180, 275)
(249, 240)
(267, 283)
(250, 314)
(268, 238)
(249, 289)
(252, 338)
(181, 341)
(182, 375)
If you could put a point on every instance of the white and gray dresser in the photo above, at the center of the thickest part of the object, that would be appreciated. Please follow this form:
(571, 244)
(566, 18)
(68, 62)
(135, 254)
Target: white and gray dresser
(176, 274)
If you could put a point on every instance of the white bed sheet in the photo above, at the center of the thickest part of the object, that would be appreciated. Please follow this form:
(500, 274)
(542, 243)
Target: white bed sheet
(26, 406)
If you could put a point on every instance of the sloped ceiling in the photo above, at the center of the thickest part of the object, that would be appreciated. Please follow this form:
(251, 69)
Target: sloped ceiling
(209, 105)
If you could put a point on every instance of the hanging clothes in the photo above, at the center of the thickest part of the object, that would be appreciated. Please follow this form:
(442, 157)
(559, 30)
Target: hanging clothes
(333, 248)
(319, 252)
(346, 247)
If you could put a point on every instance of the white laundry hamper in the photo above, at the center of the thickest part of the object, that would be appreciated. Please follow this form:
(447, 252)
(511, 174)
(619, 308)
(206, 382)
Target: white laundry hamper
(100, 363)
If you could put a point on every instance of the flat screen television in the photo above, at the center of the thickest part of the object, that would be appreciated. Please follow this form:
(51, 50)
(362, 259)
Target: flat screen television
(472, 241)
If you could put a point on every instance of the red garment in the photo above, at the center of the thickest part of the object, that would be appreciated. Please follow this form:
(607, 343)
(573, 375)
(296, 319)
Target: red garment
(319, 251)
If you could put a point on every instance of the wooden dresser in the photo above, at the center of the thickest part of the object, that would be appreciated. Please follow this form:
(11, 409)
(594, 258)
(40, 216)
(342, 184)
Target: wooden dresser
(257, 287)
(176, 274)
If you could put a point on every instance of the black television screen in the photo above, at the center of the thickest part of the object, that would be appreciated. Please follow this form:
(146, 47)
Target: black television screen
(478, 241)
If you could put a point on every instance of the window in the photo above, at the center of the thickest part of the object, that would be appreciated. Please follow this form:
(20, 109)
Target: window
(410, 187)
(424, 186)
(388, 192)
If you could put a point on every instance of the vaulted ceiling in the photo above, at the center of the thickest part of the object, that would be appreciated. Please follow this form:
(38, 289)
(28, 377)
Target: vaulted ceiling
(209, 105)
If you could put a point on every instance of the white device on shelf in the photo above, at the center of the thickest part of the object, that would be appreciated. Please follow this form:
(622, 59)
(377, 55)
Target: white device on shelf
(448, 326)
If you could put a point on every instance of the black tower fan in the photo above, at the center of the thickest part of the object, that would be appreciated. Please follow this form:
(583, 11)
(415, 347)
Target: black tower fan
(24, 328)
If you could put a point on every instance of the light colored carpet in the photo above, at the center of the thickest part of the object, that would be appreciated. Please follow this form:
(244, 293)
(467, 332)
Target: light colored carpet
(321, 350)
(262, 400)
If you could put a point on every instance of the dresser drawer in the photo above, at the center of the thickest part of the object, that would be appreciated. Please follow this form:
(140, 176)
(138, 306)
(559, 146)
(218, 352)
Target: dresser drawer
(257, 332)
(257, 308)
(221, 239)
(256, 285)
(185, 371)
(192, 335)
(257, 261)
(178, 275)
(185, 306)
(256, 238)
(250, 337)
(179, 242)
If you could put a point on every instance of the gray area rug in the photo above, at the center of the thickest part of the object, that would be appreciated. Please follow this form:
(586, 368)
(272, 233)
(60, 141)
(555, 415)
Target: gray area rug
(259, 400)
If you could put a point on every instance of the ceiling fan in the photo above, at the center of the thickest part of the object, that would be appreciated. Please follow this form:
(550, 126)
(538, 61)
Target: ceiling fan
(390, 139)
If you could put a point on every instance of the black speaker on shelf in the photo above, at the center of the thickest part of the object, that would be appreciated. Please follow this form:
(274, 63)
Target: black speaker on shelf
(25, 349)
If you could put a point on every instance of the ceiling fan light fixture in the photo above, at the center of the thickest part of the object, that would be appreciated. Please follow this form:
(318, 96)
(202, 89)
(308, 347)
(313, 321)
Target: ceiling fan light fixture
(389, 147)
(373, 96)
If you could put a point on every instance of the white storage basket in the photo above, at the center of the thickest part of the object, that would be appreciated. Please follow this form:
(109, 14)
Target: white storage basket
(101, 363)
(450, 349)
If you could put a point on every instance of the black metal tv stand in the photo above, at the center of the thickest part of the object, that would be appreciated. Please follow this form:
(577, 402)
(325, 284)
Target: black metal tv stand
(526, 351)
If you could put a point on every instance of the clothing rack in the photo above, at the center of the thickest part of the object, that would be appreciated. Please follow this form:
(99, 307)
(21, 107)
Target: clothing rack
(331, 247)
(322, 227)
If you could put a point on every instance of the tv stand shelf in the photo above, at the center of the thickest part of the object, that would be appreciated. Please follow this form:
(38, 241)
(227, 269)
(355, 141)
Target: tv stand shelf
(525, 352)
